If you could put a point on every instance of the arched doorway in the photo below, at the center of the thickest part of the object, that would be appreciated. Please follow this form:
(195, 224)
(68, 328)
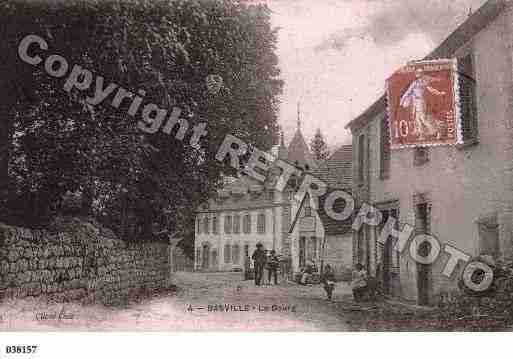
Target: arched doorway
(205, 258)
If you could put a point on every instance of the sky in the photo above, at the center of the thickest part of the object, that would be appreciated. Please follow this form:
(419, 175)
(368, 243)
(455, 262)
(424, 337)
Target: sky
(336, 54)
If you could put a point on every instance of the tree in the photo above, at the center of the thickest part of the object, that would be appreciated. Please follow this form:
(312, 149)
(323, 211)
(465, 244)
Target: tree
(319, 147)
(133, 182)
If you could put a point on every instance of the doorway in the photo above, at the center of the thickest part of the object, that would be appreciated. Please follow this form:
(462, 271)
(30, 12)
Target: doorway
(302, 252)
(422, 225)
(205, 257)
(215, 260)
(388, 266)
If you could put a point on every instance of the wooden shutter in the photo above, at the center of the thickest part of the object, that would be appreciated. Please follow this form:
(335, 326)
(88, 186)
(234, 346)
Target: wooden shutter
(361, 159)
(467, 87)
(385, 149)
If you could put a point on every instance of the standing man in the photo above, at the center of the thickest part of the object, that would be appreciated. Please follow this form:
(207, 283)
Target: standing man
(259, 260)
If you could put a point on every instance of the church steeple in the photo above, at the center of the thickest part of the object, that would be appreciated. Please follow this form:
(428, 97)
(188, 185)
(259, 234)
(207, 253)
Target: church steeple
(298, 117)
(298, 151)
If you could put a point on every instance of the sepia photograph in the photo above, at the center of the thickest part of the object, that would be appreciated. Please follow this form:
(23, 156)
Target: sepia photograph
(284, 166)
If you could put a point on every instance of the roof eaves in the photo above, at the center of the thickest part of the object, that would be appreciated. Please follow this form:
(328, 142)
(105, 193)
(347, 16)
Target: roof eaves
(468, 29)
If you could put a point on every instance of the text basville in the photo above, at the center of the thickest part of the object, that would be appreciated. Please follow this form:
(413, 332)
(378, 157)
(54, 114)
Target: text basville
(228, 308)
(247, 308)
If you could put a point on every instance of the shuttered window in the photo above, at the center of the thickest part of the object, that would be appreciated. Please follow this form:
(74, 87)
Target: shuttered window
(228, 224)
(261, 223)
(420, 156)
(361, 159)
(198, 256)
(227, 253)
(215, 225)
(468, 100)
(235, 254)
(385, 149)
(247, 224)
(236, 224)
(206, 225)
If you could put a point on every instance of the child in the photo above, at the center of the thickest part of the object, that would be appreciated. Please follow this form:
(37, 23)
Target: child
(272, 267)
(328, 279)
(359, 283)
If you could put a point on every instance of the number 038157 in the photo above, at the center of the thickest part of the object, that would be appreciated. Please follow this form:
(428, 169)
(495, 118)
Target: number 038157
(20, 349)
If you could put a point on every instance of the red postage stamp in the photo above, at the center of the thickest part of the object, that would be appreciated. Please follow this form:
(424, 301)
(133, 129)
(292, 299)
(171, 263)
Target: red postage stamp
(423, 105)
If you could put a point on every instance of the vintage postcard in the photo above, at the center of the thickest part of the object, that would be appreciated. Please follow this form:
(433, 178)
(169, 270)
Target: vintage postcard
(255, 166)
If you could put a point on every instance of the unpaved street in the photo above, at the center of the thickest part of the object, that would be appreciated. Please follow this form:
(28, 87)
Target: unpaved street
(285, 307)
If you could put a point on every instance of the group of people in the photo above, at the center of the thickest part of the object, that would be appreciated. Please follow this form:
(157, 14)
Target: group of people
(265, 259)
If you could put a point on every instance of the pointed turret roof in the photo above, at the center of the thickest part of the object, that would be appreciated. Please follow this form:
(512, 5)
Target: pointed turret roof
(298, 149)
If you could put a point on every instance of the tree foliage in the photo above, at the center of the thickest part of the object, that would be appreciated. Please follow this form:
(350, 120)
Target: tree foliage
(319, 147)
(55, 144)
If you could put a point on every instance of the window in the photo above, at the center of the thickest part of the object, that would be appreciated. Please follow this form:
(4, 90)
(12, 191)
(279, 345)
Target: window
(468, 99)
(313, 247)
(228, 224)
(247, 224)
(420, 156)
(198, 225)
(198, 256)
(206, 225)
(389, 258)
(270, 195)
(308, 209)
(488, 229)
(261, 223)
(361, 159)
(215, 225)
(227, 253)
(423, 218)
(235, 254)
(214, 258)
(236, 224)
(384, 171)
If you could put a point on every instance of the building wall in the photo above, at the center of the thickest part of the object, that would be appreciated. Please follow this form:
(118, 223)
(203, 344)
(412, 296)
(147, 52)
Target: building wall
(277, 217)
(461, 184)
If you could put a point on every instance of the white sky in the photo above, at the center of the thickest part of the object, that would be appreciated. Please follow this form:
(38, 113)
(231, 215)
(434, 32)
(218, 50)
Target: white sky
(335, 54)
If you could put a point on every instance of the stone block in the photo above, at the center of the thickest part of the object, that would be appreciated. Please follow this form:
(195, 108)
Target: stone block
(13, 255)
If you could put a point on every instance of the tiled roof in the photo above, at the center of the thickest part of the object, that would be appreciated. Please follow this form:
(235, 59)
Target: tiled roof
(468, 29)
(336, 171)
(331, 226)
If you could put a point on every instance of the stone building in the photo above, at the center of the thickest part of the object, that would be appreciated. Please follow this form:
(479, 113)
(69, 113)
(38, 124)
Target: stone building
(318, 237)
(246, 212)
(460, 194)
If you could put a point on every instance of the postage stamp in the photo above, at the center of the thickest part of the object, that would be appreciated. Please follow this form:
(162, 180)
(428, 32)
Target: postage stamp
(423, 104)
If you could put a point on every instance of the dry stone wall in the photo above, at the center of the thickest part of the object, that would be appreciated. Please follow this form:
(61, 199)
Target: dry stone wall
(78, 264)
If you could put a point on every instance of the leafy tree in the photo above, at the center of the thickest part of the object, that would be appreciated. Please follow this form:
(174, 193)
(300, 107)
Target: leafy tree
(319, 147)
(54, 143)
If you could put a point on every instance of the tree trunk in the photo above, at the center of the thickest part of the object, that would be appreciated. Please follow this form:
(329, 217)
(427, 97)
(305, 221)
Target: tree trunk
(7, 105)
(87, 200)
